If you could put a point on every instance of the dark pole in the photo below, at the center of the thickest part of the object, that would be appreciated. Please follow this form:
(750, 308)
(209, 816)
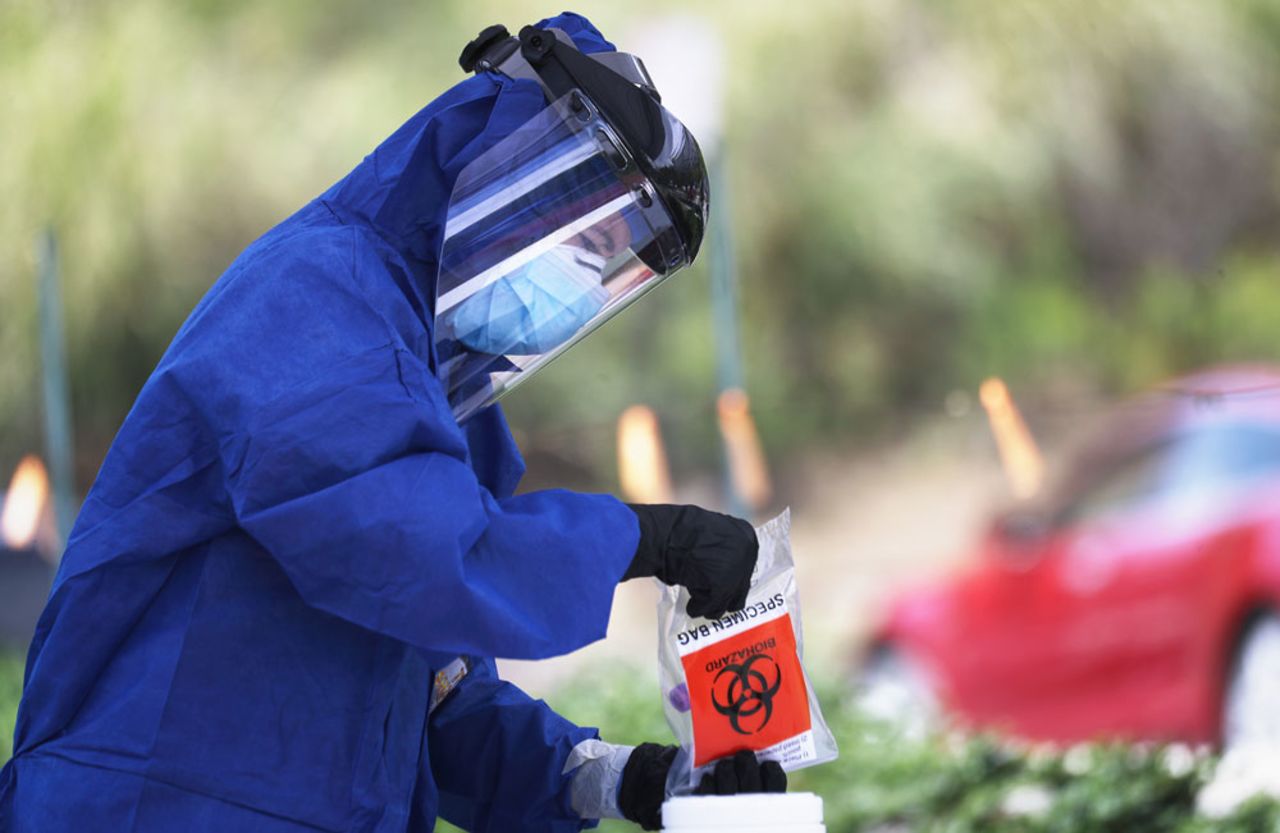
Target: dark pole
(57, 397)
(724, 312)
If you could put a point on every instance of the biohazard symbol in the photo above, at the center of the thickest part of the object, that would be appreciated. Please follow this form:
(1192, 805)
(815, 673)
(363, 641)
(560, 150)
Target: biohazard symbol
(748, 693)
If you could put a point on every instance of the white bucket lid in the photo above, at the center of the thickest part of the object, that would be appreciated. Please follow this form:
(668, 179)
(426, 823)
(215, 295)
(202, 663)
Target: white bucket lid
(781, 811)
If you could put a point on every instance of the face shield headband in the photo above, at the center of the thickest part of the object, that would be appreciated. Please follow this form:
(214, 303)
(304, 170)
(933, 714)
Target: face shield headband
(564, 223)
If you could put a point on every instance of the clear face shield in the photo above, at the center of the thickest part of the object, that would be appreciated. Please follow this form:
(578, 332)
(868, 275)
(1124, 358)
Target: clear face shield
(548, 235)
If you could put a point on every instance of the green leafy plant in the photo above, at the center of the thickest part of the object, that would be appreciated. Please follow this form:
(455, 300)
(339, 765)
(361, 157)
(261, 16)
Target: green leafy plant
(886, 781)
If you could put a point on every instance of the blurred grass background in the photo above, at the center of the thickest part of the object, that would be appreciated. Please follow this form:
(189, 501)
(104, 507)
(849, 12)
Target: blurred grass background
(10, 692)
(1079, 196)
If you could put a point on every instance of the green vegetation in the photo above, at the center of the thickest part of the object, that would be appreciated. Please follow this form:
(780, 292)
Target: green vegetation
(1080, 196)
(889, 783)
(11, 666)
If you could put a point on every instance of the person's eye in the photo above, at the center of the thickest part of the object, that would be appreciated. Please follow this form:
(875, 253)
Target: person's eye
(613, 244)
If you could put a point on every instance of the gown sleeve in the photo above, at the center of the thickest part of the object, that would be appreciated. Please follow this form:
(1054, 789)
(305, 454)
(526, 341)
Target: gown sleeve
(351, 472)
(498, 758)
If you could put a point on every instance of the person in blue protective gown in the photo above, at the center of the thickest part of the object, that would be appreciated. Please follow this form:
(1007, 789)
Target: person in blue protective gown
(278, 604)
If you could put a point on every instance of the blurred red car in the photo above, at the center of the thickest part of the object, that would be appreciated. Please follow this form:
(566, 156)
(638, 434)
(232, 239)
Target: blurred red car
(1138, 600)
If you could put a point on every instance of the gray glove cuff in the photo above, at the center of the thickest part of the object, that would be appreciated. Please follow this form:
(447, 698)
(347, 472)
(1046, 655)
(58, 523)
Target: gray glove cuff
(597, 768)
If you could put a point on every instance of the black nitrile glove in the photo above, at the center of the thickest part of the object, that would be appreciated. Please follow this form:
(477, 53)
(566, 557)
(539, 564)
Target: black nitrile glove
(743, 774)
(644, 784)
(710, 554)
(644, 781)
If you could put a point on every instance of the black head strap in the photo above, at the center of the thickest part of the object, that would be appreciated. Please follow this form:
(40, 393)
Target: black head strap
(631, 109)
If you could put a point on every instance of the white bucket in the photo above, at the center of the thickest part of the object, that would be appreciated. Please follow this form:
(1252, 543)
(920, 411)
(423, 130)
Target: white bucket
(752, 813)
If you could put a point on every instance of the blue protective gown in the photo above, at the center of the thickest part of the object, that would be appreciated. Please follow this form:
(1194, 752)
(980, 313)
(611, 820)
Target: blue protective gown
(290, 534)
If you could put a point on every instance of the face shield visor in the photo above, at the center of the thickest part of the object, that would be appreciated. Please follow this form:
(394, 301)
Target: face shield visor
(556, 229)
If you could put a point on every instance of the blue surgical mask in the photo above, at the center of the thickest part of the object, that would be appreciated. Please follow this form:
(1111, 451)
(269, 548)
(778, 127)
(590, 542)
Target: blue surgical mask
(535, 309)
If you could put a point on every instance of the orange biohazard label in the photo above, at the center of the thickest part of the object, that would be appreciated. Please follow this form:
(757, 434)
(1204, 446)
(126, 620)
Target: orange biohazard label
(746, 691)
